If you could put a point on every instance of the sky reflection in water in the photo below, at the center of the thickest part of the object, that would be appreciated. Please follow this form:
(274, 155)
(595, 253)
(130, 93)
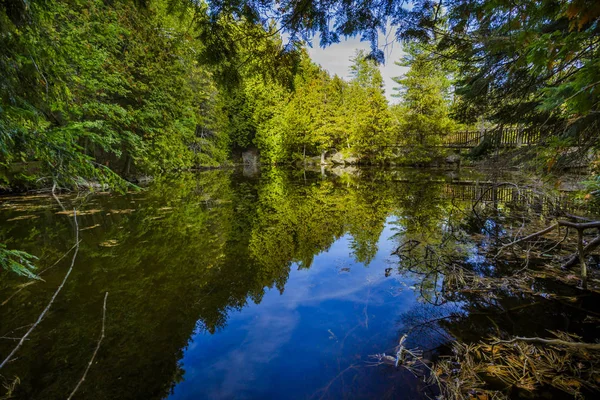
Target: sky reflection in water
(292, 345)
(277, 286)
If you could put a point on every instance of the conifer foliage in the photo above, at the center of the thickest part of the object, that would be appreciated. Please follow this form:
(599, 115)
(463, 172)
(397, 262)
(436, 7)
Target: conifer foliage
(97, 91)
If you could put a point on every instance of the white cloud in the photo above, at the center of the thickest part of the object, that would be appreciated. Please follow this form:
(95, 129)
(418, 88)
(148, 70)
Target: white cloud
(335, 59)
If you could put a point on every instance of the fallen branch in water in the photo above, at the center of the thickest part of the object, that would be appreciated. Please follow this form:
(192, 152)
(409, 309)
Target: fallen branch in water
(43, 314)
(579, 226)
(326, 388)
(411, 243)
(581, 345)
(409, 359)
(581, 250)
(529, 237)
(591, 246)
(95, 351)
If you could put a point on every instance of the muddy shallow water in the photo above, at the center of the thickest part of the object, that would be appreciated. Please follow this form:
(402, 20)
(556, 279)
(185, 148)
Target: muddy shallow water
(279, 285)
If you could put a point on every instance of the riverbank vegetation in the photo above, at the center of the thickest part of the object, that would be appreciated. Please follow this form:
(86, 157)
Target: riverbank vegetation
(94, 92)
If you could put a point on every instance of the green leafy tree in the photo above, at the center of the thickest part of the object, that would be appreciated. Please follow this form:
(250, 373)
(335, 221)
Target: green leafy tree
(370, 120)
(423, 116)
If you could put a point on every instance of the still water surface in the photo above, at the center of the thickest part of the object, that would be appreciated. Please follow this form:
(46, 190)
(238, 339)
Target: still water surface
(278, 285)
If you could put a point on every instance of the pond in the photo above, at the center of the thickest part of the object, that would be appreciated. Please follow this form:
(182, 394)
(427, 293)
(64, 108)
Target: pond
(271, 285)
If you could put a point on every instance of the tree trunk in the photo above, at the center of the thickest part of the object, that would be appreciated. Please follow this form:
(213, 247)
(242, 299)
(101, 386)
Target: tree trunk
(304, 154)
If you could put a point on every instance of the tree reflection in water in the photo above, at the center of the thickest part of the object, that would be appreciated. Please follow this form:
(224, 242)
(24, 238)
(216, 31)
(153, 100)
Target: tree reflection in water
(185, 255)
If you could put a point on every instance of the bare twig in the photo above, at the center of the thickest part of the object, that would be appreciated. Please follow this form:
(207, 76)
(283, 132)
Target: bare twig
(56, 197)
(529, 237)
(43, 314)
(95, 351)
(326, 388)
(579, 226)
(577, 217)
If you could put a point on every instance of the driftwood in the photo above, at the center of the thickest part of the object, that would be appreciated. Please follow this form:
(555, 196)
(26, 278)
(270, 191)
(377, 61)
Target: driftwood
(43, 314)
(405, 357)
(581, 252)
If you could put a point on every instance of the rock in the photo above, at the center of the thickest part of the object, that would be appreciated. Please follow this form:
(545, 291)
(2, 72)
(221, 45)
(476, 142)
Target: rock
(343, 170)
(351, 160)
(453, 159)
(144, 179)
(337, 159)
(251, 157)
(250, 170)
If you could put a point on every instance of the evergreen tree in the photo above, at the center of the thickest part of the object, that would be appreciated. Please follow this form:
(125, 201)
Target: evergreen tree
(423, 116)
(370, 119)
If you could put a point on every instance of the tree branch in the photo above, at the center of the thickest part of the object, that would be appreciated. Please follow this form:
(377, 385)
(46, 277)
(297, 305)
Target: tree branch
(95, 351)
(532, 236)
(591, 246)
(43, 314)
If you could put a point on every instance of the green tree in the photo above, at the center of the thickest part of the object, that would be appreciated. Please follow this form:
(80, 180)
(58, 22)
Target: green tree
(423, 115)
(370, 119)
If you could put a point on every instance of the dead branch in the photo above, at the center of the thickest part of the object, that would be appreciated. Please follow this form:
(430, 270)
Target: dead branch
(591, 246)
(581, 253)
(581, 250)
(43, 314)
(581, 225)
(411, 245)
(326, 388)
(95, 351)
(529, 237)
(577, 217)
(581, 345)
